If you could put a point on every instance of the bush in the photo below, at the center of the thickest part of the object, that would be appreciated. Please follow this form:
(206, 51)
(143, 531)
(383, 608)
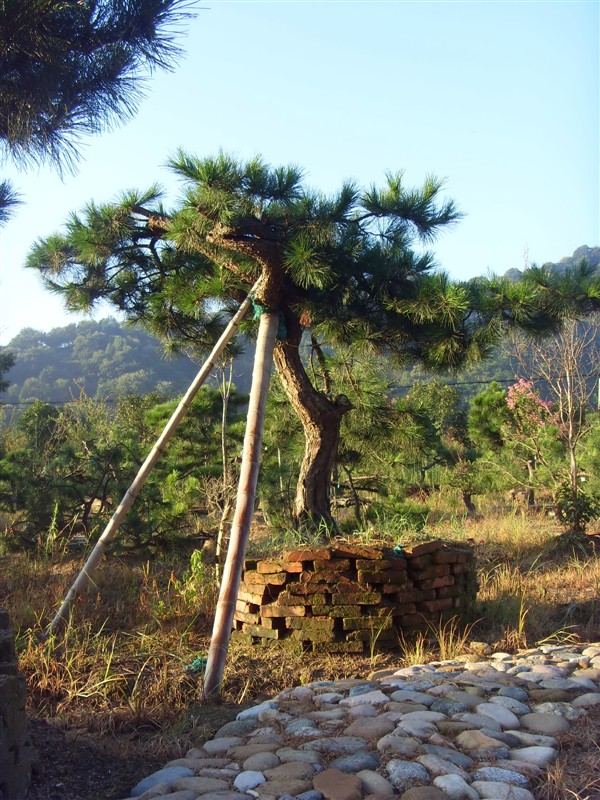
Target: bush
(575, 509)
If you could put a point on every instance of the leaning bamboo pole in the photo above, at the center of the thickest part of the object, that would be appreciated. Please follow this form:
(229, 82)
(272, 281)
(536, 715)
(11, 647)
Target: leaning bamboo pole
(244, 508)
(110, 532)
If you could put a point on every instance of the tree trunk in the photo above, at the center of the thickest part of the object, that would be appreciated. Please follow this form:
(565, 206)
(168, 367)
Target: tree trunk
(321, 419)
(469, 504)
(244, 509)
(530, 493)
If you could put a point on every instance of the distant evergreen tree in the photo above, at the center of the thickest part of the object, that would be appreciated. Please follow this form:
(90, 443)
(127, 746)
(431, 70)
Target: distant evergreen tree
(7, 360)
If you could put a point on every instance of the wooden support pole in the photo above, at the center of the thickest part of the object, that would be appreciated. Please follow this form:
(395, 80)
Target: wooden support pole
(244, 509)
(110, 532)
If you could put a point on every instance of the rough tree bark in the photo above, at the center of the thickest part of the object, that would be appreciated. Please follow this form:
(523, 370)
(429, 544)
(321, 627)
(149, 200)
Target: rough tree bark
(321, 419)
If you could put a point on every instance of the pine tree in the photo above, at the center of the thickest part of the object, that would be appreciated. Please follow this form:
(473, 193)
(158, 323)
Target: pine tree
(352, 269)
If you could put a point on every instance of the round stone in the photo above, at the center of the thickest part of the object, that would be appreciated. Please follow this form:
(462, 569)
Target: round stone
(566, 710)
(498, 774)
(373, 698)
(336, 785)
(515, 692)
(516, 706)
(336, 745)
(166, 775)
(538, 755)
(481, 746)
(403, 696)
(503, 716)
(449, 707)
(544, 723)
(370, 727)
(449, 754)
(586, 700)
(301, 726)
(261, 761)
(363, 759)
(424, 716)
(252, 713)
(237, 727)
(436, 766)
(374, 783)
(217, 746)
(424, 793)
(290, 754)
(496, 790)
(399, 745)
(249, 779)
(406, 774)
(455, 787)
(479, 720)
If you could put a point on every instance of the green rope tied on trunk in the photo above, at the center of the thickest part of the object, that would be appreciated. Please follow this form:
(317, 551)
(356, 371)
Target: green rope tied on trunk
(259, 310)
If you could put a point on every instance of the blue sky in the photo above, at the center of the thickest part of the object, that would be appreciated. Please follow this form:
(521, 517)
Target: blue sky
(499, 98)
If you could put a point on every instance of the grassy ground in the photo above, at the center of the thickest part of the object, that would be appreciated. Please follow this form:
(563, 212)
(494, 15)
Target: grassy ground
(118, 670)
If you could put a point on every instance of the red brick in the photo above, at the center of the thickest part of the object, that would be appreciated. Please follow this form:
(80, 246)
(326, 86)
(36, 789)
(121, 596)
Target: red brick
(308, 554)
(445, 557)
(255, 597)
(243, 616)
(359, 598)
(277, 610)
(405, 608)
(367, 623)
(438, 605)
(436, 571)
(265, 579)
(415, 595)
(420, 562)
(267, 566)
(415, 550)
(358, 551)
(260, 631)
(381, 576)
(448, 591)
(344, 611)
(413, 620)
(436, 583)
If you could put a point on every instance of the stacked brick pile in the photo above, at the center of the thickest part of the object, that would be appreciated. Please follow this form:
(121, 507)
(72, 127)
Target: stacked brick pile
(349, 599)
(16, 751)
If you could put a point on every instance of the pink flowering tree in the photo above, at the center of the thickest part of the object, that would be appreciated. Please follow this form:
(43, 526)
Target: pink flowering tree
(532, 432)
(517, 434)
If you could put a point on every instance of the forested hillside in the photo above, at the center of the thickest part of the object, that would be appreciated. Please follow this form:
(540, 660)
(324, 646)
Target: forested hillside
(105, 359)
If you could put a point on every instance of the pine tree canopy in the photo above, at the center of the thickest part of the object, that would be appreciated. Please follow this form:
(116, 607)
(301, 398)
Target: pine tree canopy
(353, 267)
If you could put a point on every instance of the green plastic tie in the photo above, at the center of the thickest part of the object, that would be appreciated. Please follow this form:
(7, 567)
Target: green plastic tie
(197, 665)
(259, 310)
(398, 551)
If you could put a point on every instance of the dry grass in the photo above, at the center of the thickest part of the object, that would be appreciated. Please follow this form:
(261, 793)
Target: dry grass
(118, 668)
(576, 773)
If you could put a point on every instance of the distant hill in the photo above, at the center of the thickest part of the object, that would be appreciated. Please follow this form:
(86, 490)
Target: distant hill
(590, 254)
(104, 358)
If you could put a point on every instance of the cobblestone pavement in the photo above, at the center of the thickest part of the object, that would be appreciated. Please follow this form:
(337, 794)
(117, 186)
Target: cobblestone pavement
(470, 729)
